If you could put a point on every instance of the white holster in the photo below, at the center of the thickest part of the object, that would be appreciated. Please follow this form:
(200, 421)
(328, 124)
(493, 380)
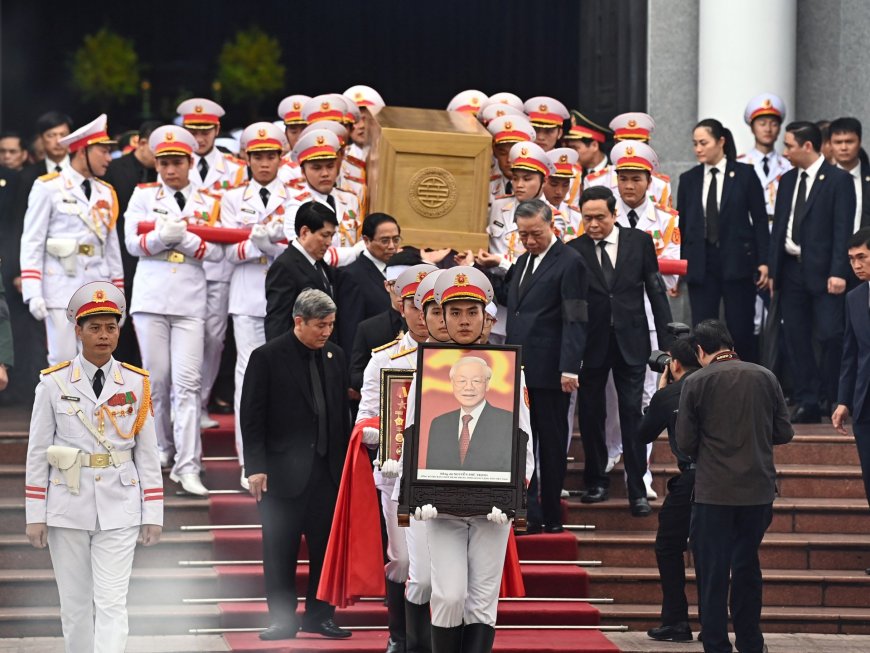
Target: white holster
(64, 250)
(69, 461)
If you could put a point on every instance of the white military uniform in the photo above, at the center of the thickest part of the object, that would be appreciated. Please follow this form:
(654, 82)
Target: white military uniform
(68, 240)
(569, 220)
(777, 166)
(498, 184)
(242, 208)
(352, 177)
(92, 535)
(346, 209)
(659, 187)
(170, 325)
(290, 173)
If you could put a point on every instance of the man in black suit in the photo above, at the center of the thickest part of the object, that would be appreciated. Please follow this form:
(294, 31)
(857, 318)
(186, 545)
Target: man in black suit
(850, 156)
(490, 428)
(623, 266)
(546, 300)
(301, 266)
(812, 221)
(360, 292)
(295, 429)
(854, 399)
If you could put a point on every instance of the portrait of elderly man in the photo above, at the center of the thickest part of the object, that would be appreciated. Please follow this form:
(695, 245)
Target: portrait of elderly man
(476, 436)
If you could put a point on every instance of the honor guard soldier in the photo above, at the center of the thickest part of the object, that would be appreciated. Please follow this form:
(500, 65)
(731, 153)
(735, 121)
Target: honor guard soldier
(590, 141)
(765, 114)
(505, 98)
(170, 325)
(215, 173)
(470, 101)
(564, 160)
(633, 127)
(492, 111)
(290, 111)
(547, 117)
(259, 206)
(506, 130)
(93, 483)
(69, 235)
(369, 102)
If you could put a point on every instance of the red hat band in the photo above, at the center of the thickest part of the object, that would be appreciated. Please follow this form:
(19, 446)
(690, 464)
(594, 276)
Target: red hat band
(563, 170)
(633, 134)
(316, 152)
(428, 297)
(634, 163)
(410, 290)
(546, 119)
(256, 144)
(93, 308)
(294, 118)
(92, 139)
(334, 114)
(454, 293)
(510, 136)
(201, 119)
(173, 147)
(764, 111)
(468, 108)
(527, 163)
(583, 132)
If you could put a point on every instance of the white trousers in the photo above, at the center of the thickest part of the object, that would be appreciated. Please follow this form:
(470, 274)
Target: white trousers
(250, 333)
(217, 302)
(397, 565)
(92, 569)
(467, 563)
(61, 336)
(171, 348)
(418, 590)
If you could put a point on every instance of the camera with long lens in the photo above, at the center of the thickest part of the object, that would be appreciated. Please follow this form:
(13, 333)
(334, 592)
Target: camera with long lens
(658, 360)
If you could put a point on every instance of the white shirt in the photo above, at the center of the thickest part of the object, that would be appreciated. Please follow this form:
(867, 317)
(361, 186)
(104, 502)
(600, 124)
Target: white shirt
(720, 181)
(623, 209)
(380, 265)
(601, 165)
(50, 165)
(611, 247)
(856, 178)
(475, 418)
(308, 256)
(539, 257)
(90, 370)
(790, 246)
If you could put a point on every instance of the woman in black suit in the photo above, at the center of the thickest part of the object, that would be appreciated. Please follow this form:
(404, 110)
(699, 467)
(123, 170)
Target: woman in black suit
(725, 236)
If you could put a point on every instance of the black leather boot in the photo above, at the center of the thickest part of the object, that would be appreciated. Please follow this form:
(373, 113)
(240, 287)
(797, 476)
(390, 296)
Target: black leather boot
(447, 640)
(477, 638)
(418, 628)
(396, 617)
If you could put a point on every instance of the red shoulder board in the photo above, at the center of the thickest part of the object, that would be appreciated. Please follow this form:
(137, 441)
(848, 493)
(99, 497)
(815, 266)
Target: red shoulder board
(237, 161)
(153, 184)
(303, 196)
(600, 173)
(501, 197)
(662, 177)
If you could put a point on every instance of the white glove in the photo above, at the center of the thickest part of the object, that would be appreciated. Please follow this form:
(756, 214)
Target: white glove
(390, 468)
(172, 232)
(276, 231)
(426, 513)
(371, 435)
(496, 516)
(261, 240)
(37, 307)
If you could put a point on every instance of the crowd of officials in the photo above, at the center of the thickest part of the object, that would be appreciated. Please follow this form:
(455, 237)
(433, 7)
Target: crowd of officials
(183, 227)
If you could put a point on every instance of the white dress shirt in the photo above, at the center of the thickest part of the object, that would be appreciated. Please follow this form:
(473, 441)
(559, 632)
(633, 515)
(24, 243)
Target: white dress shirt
(380, 265)
(856, 179)
(539, 257)
(308, 256)
(90, 370)
(612, 246)
(51, 165)
(720, 181)
(475, 418)
(790, 246)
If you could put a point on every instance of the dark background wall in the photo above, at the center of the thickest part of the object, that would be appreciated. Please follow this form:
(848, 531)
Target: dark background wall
(590, 54)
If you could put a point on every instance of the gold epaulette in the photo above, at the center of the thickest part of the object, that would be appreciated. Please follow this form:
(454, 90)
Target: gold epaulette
(152, 184)
(59, 366)
(662, 177)
(382, 347)
(303, 196)
(495, 177)
(49, 176)
(600, 173)
(404, 352)
(236, 160)
(138, 370)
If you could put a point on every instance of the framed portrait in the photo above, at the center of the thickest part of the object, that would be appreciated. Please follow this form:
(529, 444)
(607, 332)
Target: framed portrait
(395, 387)
(464, 452)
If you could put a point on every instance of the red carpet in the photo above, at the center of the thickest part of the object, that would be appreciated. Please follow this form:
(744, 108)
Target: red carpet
(243, 581)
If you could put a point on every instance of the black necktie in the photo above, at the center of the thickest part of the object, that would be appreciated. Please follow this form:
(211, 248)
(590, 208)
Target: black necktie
(799, 206)
(765, 166)
(86, 187)
(508, 187)
(632, 218)
(179, 197)
(712, 211)
(203, 168)
(331, 201)
(264, 195)
(527, 277)
(319, 403)
(321, 268)
(606, 264)
(57, 167)
(98, 383)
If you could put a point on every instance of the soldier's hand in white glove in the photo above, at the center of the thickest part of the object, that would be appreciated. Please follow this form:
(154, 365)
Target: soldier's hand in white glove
(426, 513)
(390, 468)
(371, 436)
(37, 307)
(261, 240)
(276, 231)
(496, 516)
(172, 232)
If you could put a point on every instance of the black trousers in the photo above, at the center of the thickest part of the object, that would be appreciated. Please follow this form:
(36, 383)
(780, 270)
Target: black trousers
(285, 520)
(862, 440)
(738, 297)
(671, 543)
(805, 314)
(549, 416)
(592, 410)
(725, 541)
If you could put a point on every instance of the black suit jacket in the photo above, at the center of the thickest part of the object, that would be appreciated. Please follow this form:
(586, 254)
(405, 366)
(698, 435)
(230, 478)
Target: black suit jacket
(10, 229)
(636, 271)
(744, 235)
(549, 320)
(360, 294)
(488, 451)
(371, 333)
(855, 370)
(289, 275)
(278, 416)
(825, 230)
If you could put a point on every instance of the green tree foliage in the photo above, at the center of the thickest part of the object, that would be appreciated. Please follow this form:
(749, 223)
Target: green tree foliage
(106, 68)
(250, 68)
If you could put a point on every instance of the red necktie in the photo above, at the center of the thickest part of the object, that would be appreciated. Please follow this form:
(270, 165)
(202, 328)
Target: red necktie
(464, 438)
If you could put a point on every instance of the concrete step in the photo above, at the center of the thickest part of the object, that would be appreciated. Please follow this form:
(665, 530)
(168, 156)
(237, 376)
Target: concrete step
(135, 644)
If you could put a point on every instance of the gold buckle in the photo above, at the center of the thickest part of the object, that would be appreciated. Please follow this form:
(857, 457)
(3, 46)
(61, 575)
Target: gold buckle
(100, 460)
(175, 257)
(263, 260)
(86, 250)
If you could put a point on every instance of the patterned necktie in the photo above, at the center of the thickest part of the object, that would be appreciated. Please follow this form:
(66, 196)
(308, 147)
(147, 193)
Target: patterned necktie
(86, 187)
(264, 195)
(98, 383)
(632, 218)
(179, 197)
(464, 438)
(202, 166)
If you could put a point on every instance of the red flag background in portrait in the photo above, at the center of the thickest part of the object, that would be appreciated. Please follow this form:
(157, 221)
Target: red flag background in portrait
(437, 390)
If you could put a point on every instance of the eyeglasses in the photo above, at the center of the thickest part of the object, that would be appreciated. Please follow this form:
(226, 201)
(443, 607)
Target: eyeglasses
(386, 240)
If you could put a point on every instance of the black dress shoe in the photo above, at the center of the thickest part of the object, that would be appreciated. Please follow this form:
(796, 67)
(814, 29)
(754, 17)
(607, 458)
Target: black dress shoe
(806, 415)
(554, 528)
(327, 628)
(640, 508)
(532, 528)
(280, 631)
(595, 495)
(679, 632)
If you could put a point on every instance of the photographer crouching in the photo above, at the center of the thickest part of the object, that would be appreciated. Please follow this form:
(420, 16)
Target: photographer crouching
(676, 511)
